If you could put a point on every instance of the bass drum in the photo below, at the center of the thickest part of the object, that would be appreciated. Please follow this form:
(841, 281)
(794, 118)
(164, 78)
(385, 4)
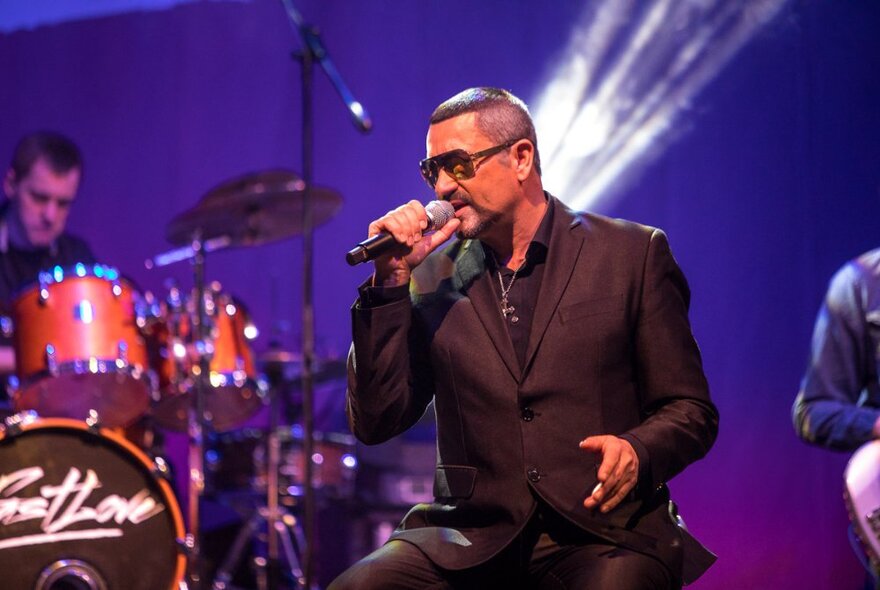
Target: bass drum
(82, 508)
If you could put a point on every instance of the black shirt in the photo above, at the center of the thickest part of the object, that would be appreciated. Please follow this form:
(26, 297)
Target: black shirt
(523, 293)
(20, 268)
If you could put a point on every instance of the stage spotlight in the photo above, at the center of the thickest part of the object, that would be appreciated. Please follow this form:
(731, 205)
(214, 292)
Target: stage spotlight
(626, 81)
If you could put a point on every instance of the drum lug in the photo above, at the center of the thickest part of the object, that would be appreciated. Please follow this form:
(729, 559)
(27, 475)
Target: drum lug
(122, 354)
(187, 545)
(205, 348)
(13, 425)
(94, 422)
(161, 468)
(147, 311)
(45, 279)
(51, 361)
(174, 300)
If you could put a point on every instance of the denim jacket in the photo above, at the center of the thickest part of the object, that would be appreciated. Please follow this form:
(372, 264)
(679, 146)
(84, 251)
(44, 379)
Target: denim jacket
(839, 400)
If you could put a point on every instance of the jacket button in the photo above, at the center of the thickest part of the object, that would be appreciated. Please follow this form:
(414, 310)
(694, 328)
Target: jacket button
(533, 475)
(528, 414)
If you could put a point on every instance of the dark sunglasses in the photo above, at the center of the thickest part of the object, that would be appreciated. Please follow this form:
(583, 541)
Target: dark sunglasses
(458, 164)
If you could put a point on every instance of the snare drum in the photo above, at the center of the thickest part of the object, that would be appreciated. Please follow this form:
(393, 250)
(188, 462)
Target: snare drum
(233, 392)
(79, 347)
(83, 508)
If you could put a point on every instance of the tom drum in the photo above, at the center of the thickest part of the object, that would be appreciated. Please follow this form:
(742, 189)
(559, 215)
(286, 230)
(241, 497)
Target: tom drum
(79, 346)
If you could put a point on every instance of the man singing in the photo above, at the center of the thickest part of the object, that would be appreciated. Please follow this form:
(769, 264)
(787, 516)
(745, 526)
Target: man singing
(557, 349)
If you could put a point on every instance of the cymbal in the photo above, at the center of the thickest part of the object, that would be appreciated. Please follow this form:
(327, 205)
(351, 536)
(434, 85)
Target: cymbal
(253, 209)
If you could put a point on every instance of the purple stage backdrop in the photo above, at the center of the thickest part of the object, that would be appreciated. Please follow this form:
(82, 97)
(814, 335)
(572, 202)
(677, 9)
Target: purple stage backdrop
(771, 186)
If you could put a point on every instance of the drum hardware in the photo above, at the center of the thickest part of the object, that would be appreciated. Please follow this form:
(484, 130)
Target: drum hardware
(281, 525)
(194, 392)
(186, 252)
(161, 468)
(13, 425)
(93, 422)
(286, 529)
(51, 361)
(197, 422)
(70, 573)
(248, 211)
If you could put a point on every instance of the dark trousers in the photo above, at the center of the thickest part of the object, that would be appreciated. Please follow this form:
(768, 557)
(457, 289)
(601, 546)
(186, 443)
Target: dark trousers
(550, 554)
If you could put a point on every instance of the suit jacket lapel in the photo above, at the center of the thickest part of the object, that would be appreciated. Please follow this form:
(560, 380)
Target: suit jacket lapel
(476, 283)
(562, 255)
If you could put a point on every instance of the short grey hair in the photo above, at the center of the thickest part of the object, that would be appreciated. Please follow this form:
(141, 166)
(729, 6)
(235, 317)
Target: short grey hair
(501, 116)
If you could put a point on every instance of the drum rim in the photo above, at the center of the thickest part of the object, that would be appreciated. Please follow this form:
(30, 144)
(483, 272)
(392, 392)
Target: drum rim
(104, 367)
(70, 272)
(145, 377)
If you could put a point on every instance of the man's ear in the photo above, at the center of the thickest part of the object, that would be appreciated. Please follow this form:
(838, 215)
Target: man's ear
(524, 156)
(9, 183)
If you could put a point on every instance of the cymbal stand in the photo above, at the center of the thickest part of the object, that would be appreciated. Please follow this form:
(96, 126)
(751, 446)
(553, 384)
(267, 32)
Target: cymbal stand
(273, 373)
(313, 52)
(281, 525)
(286, 530)
(196, 423)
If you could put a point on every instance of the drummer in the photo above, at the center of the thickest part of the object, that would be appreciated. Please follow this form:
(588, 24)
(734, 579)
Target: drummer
(40, 185)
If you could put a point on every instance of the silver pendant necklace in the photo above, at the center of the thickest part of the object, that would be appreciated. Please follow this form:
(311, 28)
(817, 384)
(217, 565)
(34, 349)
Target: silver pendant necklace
(507, 309)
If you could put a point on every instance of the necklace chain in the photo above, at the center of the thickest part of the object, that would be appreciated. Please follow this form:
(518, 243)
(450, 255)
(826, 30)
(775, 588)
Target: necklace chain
(506, 308)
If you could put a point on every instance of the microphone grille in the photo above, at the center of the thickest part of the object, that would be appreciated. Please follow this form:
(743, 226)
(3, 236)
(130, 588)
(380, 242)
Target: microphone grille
(439, 213)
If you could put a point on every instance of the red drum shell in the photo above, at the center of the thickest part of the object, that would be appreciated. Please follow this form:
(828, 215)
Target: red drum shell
(233, 393)
(100, 357)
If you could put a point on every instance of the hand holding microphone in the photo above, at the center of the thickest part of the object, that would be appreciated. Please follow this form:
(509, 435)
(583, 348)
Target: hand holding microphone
(400, 228)
(436, 213)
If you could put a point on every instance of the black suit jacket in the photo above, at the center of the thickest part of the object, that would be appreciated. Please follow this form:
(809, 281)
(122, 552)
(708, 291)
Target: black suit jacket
(610, 352)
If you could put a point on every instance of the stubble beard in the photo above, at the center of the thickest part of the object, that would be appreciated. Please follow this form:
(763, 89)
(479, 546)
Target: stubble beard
(476, 222)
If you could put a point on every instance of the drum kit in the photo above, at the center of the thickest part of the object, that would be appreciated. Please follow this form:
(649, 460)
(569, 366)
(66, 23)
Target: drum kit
(81, 504)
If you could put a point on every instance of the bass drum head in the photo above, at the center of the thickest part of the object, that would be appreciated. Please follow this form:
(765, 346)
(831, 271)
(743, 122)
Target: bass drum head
(83, 509)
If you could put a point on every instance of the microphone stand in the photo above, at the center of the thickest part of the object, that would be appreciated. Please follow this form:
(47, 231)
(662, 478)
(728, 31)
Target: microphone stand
(313, 51)
(315, 48)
